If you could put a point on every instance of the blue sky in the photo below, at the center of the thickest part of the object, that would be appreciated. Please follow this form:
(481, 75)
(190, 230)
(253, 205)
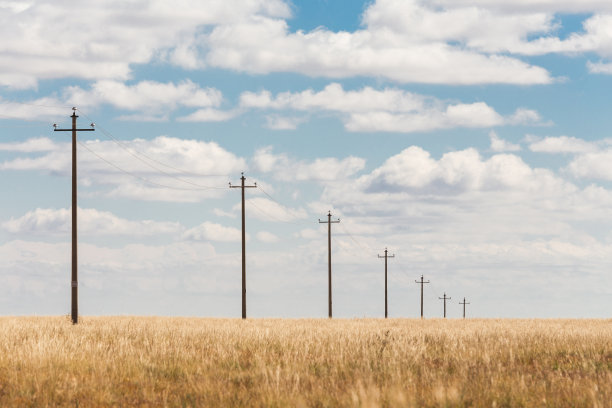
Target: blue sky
(471, 138)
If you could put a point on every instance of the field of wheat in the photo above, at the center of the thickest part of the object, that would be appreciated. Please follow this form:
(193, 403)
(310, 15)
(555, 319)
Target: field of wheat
(148, 361)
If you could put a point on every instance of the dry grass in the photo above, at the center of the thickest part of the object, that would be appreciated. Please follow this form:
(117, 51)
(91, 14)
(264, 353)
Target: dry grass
(135, 361)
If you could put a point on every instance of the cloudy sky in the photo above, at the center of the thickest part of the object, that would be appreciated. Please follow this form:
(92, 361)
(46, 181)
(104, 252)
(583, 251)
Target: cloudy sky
(470, 138)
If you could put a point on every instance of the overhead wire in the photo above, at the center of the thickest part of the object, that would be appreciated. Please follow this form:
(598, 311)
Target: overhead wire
(137, 155)
(136, 175)
(289, 209)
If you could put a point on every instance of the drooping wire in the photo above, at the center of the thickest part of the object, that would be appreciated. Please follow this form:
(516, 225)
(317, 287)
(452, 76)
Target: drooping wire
(137, 176)
(137, 155)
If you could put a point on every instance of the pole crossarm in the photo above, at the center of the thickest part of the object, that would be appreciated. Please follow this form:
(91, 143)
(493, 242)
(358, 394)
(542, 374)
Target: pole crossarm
(74, 283)
(329, 222)
(445, 299)
(242, 186)
(386, 256)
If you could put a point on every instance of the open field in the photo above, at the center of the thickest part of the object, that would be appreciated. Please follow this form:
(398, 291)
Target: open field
(142, 361)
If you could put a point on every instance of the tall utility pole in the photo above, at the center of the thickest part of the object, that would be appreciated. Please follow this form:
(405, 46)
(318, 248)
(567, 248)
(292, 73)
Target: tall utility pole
(445, 299)
(74, 282)
(422, 282)
(386, 256)
(329, 222)
(464, 303)
(242, 186)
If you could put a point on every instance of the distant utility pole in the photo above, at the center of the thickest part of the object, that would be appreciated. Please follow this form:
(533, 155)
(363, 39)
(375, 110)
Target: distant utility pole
(329, 222)
(386, 256)
(445, 299)
(464, 303)
(422, 282)
(74, 283)
(242, 186)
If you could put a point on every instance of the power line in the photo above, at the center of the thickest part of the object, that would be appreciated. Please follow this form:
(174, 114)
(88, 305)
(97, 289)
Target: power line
(289, 209)
(136, 154)
(140, 177)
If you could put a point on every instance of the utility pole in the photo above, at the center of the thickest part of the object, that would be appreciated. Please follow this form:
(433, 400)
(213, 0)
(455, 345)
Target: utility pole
(74, 281)
(422, 282)
(329, 222)
(445, 299)
(386, 256)
(242, 186)
(464, 303)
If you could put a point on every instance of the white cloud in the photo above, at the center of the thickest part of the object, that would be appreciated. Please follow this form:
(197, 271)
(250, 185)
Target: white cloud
(284, 168)
(391, 110)
(591, 163)
(268, 210)
(209, 231)
(155, 99)
(36, 42)
(222, 213)
(91, 222)
(550, 6)
(267, 237)
(41, 144)
(264, 45)
(562, 144)
(160, 169)
(414, 170)
(209, 115)
(441, 42)
(499, 145)
(276, 122)
(47, 108)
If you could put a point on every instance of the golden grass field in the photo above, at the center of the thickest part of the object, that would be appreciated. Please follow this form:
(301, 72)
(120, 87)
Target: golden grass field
(150, 361)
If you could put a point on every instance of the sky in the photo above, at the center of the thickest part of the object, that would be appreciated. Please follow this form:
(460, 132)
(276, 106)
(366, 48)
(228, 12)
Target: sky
(469, 138)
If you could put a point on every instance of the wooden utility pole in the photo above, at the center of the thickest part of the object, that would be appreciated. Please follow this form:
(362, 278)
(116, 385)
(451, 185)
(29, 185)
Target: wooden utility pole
(242, 186)
(445, 299)
(329, 222)
(422, 282)
(74, 281)
(386, 256)
(464, 303)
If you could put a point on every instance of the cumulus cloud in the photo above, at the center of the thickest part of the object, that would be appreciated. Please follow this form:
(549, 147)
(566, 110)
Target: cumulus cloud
(47, 108)
(209, 231)
(282, 167)
(391, 110)
(209, 115)
(159, 169)
(35, 50)
(465, 170)
(153, 98)
(562, 144)
(41, 144)
(411, 41)
(277, 122)
(499, 145)
(267, 237)
(263, 45)
(268, 210)
(91, 222)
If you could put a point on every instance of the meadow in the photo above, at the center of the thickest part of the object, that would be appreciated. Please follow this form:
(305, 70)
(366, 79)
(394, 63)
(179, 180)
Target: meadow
(155, 361)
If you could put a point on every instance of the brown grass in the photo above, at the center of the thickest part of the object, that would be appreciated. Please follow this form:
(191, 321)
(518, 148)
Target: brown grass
(137, 361)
